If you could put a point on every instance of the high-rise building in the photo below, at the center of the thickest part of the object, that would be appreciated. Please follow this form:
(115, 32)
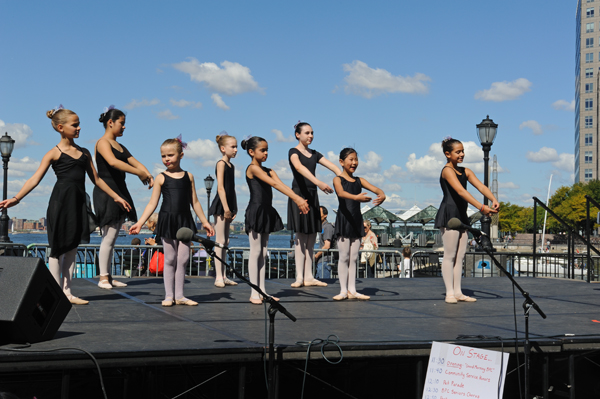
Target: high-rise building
(587, 79)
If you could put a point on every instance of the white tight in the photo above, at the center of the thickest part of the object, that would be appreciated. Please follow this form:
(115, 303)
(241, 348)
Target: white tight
(62, 270)
(222, 237)
(304, 245)
(348, 248)
(256, 261)
(455, 246)
(177, 256)
(109, 237)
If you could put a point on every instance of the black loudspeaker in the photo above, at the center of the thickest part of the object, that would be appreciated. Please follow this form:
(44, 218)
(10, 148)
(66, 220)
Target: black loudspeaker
(32, 305)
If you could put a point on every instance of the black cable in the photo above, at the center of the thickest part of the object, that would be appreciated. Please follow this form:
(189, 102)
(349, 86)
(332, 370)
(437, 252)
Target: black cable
(323, 343)
(20, 349)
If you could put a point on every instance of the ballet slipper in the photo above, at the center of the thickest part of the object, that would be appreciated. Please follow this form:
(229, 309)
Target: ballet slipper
(168, 302)
(357, 295)
(465, 298)
(186, 301)
(297, 284)
(340, 297)
(256, 301)
(315, 283)
(450, 299)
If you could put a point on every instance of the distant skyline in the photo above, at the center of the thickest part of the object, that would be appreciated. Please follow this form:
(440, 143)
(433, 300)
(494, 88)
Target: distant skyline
(390, 79)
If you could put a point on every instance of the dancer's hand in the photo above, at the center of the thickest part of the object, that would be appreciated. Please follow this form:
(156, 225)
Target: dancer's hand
(495, 205)
(379, 199)
(302, 205)
(8, 203)
(363, 197)
(325, 188)
(123, 204)
(147, 180)
(209, 229)
(228, 216)
(135, 229)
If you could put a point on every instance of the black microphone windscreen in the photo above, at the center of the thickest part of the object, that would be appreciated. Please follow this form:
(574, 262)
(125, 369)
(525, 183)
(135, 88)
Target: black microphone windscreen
(454, 224)
(184, 234)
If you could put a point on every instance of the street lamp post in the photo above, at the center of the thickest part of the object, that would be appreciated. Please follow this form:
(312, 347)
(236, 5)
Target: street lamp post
(208, 184)
(486, 131)
(6, 147)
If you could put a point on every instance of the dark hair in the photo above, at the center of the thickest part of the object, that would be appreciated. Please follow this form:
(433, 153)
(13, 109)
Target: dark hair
(112, 114)
(136, 241)
(298, 128)
(448, 144)
(251, 143)
(325, 212)
(347, 151)
(406, 252)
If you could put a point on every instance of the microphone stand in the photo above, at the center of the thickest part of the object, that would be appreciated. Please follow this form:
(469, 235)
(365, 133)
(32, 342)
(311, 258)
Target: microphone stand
(484, 241)
(274, 307)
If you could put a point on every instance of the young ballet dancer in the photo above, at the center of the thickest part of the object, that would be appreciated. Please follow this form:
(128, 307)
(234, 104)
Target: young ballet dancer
(224, 206)
(261, 218)
(453, 180)
(179, 192)
(303, 162)
(67, 214)
(114, 161)
(349, 222)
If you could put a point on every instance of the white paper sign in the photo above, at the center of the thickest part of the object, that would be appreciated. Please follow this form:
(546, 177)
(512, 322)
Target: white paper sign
(456, 371)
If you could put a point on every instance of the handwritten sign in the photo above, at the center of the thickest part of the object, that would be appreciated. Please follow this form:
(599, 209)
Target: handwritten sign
(456, 371)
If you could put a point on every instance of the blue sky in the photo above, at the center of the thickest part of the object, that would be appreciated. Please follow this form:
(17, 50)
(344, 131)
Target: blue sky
(390, 79)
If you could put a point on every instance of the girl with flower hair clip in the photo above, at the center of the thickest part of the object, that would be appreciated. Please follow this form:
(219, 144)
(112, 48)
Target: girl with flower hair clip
(179, 192)
(453, 181)
(68, 222)
(224, 206)
(114, 161)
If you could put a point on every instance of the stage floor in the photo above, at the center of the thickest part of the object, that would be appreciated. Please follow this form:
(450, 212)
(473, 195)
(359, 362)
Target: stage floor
(128, 326)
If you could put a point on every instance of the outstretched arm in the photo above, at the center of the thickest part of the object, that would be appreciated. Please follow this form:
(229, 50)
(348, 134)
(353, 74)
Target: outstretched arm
(450, 176)
(341, 193)
(93, 175)
(135, 229)
(34, 180)
(482, 188)
(303, 170)
(276, 183)
(380, 194)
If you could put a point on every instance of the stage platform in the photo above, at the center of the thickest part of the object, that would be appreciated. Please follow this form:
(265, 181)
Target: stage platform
(131, 334)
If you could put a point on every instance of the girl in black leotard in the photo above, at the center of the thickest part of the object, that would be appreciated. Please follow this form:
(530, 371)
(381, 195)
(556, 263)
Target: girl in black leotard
(67, 211)
(179, 192)
(453, 180)
(303, 162)
(114, 161)
(261, 218)
(224, 206)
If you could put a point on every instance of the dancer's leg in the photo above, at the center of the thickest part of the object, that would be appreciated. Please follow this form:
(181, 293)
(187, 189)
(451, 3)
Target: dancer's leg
(221, 236)
(300, 242)
(54, 266)
(451, 239)
(458, 269)
(308, 257)
(253, 262)
(67, 261)
(343, 264)
(170, 262)
(264, 243)
(183, 259)
(109, 237)
(353, 255)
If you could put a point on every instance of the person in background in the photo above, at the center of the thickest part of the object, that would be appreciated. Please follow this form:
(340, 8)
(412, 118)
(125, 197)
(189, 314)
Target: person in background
(323, 259)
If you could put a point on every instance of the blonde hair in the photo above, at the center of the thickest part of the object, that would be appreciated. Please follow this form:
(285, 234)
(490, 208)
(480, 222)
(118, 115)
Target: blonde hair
(59, 117)
(175, 142)
(222, 139)
(367, 222)
(152, 220)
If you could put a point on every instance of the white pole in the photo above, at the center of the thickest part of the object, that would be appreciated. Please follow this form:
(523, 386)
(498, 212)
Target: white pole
(546, 212)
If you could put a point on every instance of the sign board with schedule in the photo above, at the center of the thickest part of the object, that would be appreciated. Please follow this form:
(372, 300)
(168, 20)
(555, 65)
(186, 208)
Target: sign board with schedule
(456, 371)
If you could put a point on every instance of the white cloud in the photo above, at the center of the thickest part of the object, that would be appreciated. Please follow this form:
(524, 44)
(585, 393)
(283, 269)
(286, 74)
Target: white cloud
(368, 82)
(564, 105)
(219, 101)
(282, 168)
(204, 150)
(533, 125)
(22, 167)
(166, 114)
(185, 103)
(565, 162)
(19, 132)
(333, 157)
(429, 166)
(281, 138)
(141, 103)
(505, 91)
(545, 154)
(231, 80)
(370, 163)
(394, 173)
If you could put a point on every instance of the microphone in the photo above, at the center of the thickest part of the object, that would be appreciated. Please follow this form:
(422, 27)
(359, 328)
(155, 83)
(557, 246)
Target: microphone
(186, 235)
(456, 224)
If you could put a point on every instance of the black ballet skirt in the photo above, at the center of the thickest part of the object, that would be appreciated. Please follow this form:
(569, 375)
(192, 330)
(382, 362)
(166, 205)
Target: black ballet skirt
(107, 210)
(175, 209)
(311, 222)
(216, 208)
(453, 205)
(349, 221)
(67, 214)
(261, 217)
